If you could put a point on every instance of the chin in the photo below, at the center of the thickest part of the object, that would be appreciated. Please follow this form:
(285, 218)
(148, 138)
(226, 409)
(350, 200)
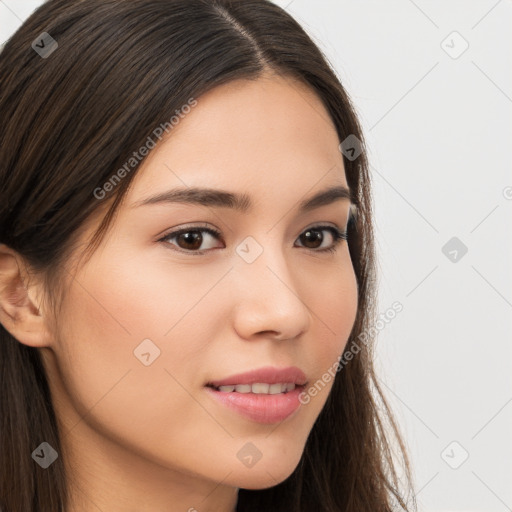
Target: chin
(265, 475)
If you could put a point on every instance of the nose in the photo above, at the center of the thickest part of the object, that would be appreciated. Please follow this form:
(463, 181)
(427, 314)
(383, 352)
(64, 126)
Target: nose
(269, 298)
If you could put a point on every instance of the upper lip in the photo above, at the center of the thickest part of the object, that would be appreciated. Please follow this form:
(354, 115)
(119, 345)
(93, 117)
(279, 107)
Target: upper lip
(267, 375)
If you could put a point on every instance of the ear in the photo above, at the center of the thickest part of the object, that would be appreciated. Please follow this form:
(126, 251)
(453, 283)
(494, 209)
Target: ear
(20, 304)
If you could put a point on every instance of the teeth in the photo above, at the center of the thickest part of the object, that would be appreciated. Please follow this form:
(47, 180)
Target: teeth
(275, 388)
(227, 389)
(259, 388)
(243, 388)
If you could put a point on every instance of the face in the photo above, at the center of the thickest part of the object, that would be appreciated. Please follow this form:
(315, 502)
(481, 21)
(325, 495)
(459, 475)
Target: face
(154, 317)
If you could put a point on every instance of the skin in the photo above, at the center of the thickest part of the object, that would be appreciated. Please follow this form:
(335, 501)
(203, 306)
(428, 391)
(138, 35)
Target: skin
(150, 438)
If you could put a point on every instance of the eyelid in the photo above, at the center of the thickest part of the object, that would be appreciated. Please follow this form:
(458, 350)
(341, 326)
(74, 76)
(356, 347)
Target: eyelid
(352, 215)
(186, 227)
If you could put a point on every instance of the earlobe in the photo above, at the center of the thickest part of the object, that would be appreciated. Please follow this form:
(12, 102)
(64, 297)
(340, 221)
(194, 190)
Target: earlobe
(19, 313)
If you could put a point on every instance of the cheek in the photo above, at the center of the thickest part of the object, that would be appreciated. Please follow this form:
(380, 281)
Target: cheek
(109, 311)
(115, 305)
(334, 309)
(333, 304)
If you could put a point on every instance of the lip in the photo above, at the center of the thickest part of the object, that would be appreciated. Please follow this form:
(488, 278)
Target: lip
(262, 408)
(267, 374)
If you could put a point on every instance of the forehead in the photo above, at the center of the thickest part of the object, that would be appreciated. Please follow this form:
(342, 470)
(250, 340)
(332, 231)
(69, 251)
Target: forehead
(250, 135)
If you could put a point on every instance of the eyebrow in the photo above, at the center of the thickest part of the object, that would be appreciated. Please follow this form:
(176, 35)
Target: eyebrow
(240, 202)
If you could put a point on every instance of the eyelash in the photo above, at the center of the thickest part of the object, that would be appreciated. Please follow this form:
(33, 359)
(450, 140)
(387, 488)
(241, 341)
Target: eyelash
(338, 236)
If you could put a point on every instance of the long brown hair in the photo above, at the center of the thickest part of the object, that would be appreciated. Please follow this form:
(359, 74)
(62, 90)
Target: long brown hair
(74, 116)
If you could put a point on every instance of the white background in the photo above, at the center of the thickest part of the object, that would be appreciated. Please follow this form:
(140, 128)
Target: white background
(439, 129)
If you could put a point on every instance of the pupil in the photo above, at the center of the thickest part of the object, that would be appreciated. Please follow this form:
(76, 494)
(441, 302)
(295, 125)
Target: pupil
(190, 238)
(312, 235)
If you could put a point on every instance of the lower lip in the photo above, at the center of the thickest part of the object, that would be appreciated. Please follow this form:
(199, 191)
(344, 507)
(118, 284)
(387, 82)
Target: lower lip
(260, 407)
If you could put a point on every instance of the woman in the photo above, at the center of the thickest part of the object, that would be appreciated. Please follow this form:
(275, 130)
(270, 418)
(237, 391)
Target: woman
(186, 263)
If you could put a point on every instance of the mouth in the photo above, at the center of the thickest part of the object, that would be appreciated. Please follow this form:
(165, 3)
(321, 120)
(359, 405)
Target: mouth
(258, 388)
(266, 395)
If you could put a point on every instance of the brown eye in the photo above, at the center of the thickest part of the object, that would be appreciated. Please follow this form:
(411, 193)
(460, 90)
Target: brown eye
(312, 238)
(190, 239)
